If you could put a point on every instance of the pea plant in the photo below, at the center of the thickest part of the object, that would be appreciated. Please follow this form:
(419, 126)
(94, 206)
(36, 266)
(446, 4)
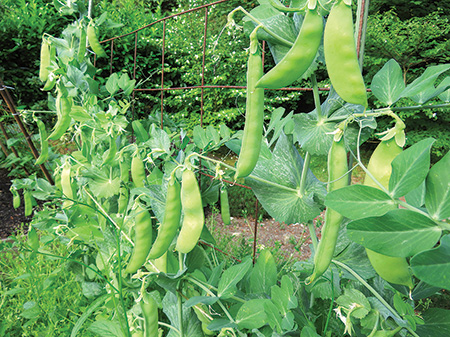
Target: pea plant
(130, 198)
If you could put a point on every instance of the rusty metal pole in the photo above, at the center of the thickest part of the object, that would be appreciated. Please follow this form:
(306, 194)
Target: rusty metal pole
(7, 98)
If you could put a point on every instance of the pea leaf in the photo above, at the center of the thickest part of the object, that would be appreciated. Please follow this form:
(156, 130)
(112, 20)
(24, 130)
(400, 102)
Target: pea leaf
(410, 168)
(314, 136)
(426, 80)
(354, 298)
(359, 201)
(273, 316)
(280, 195)
(264, 273)
(437, 323)
(252, 315)
(400, 232)
(437, 196)
(230, 277)
(433, 266)
(387, 84)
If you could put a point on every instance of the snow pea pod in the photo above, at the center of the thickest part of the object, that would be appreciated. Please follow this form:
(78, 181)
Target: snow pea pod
(143, 240)
(149, 309)
(63, 108)
(44, 142)
(298, 59)
(172, 216)
(254, 114)
(93, 41)
(392, 269)
(338, 177)
(341, 57)
(191, 202)
(45, 60)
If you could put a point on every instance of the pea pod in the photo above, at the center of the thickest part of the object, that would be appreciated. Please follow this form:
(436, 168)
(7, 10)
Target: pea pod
(138, 171)
(45, 60)
(82, 44)
(149, 309)
(28, 200)
(392, 269)
(44, 143)
(16, 197)
(66, 185)
(63, 108)
(254, 114)
(340, 55)
(171, 221)
(194, 218)
(93, 41)
(51, 77)
(338, 177)
(122, 202)
(299, 58)
(143, 240)
(224, 206)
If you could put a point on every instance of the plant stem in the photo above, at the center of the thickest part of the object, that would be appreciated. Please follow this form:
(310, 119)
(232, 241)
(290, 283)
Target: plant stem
(170, 327)
(180, 314)
(316, 97)
(304, 174)
(374, 292)
(312, 234)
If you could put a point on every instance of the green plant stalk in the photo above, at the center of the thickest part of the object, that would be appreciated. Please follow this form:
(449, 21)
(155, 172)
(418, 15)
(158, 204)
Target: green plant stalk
(312, 234)
(180, 314)
(208, 288)
(170, 327)
(316, 97)
(374, 292)
(330, 310)
(306, 163)
(259, 23)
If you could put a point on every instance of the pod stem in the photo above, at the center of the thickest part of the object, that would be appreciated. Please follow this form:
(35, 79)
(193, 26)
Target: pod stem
(304, 173)
(316, 97)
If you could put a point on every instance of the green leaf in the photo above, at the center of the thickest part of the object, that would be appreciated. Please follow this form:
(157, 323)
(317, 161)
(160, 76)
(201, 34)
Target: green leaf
(112, 85)
(308, 331)
(280, 195)
(400, 232)
(87, 312)
(416, 197)
(433, 266)
(426, 80)
(431, 92)
(104, 187)
(353, 298)
(437, 323)
(199, 136)
(424, 290)
(387, 84)
(106, 328)
(273, 316)
(251, 314)
(159, 141)
(410, 168)
(126, 84)
(355, 257)
(230, 277)
(264, 274)
(313, 136)
(359, 201)
(437, 196)
(191, 324)
(30, 310)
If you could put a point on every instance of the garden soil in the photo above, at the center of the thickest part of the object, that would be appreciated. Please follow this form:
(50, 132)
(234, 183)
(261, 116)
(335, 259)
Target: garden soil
(10, 218)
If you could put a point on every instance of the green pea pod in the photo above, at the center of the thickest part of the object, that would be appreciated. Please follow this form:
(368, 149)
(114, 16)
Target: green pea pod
(171, 221)
(82, 44)
(124, 166)
(194, 218)
(149, 309)
(138, 171)
(338, 177)
(300, 57)
(66, 185)
(44, 143)
(27, 198)
(340, 55)
(139, 131)
(16, 197)
(392, 269)
(111, 152)
(122, 202)
(51, 77)
(63, 108)
(93, 41)
(33, 239)
(143, 240)
(224, 206)
(254, 114)
(45, 60)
